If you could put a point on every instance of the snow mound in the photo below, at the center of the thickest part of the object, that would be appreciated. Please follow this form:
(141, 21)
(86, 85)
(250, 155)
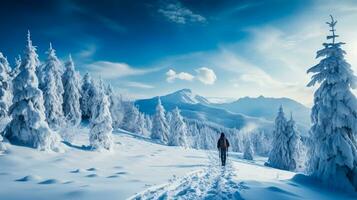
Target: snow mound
(49, 181)
(29, 178)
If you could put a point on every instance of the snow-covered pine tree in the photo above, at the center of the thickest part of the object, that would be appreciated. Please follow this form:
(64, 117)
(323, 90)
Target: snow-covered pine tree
(2, 144)
(101, 120)
(248, 153)
(178, 129)
(131, 116)
(115, 108)
(148, 123)
(333, 154)
(52, 88)
(71, 95)
(14, 72)
(160, 128)
(5, 63)
(277, 157)
(294, 145)
(141, 123)
(87, 93)
(261, 142)
(5, 87)
(168, 117)
(28, 125)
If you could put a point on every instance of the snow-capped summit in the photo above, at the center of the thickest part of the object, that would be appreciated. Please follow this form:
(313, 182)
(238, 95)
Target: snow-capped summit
(185, 96)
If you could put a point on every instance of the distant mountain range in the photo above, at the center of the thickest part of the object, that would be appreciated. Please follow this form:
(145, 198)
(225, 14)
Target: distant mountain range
(259, 111)
(267, 108)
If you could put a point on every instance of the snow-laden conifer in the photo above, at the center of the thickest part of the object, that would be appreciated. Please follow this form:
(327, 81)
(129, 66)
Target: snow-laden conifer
(71, 96)
(2, 144)
(160, 128)
(248, 153)
(28, 125)
(52, 88)
(131, 116)
(5, 87)
(178, 129)
(16, 70)
(141, 123)
(101, 120)
(293, 155)
(116, 107)
(148, 123)
(87, 93)
(333, 151)
(277, 156)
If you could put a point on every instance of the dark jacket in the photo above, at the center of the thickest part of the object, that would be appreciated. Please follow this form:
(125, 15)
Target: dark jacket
(220, 143)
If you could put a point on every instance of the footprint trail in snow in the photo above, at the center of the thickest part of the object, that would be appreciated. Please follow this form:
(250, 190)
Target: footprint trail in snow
(213, 182)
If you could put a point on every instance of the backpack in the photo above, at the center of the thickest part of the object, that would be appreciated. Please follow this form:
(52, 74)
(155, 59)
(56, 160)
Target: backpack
(223, 143)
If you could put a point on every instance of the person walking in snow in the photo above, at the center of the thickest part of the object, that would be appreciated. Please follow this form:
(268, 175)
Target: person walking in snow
(222, 146)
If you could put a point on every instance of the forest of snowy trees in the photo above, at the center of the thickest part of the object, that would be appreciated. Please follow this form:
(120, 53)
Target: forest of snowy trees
(41, 101)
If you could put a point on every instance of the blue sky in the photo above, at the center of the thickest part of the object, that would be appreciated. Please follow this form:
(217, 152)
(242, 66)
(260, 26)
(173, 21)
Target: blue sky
(227, 49)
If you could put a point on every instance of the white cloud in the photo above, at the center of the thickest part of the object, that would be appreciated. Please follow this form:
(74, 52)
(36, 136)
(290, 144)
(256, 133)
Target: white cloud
(206, 75)
(112, 70)
(172, 75)
(177, 13)
(139, 85)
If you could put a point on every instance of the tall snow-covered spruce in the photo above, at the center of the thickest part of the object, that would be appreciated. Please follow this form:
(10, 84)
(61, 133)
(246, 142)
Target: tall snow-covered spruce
(130, 118)
(178, 129)
(87, 93)
(277, 157)
(116, 107)
(248, 153)
(52, 88)
(285, 153)
(71, 96)
(294, 145)
(5, 87)
(160, 127)
(333, 151)
(28, 125)
(101, 120)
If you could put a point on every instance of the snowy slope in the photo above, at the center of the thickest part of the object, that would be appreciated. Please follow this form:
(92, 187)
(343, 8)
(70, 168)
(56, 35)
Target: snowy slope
(241, 180)
(141, 169)
(78, 173)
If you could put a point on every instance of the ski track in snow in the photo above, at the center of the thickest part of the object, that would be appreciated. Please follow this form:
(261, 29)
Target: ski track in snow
(213, 182)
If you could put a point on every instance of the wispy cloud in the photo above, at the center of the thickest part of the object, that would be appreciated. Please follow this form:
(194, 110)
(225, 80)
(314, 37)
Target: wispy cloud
(176, 12)
(113, 70)
(139, 85)
(87, 52)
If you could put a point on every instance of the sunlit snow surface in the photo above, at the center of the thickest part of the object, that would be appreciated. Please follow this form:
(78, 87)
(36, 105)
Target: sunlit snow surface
(140, 169)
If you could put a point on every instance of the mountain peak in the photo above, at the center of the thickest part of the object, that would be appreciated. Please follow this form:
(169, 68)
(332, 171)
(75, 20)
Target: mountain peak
(185, 96)
(185, 90)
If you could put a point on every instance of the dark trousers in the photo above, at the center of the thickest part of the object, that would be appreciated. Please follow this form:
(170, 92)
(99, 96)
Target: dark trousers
(223, 155)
